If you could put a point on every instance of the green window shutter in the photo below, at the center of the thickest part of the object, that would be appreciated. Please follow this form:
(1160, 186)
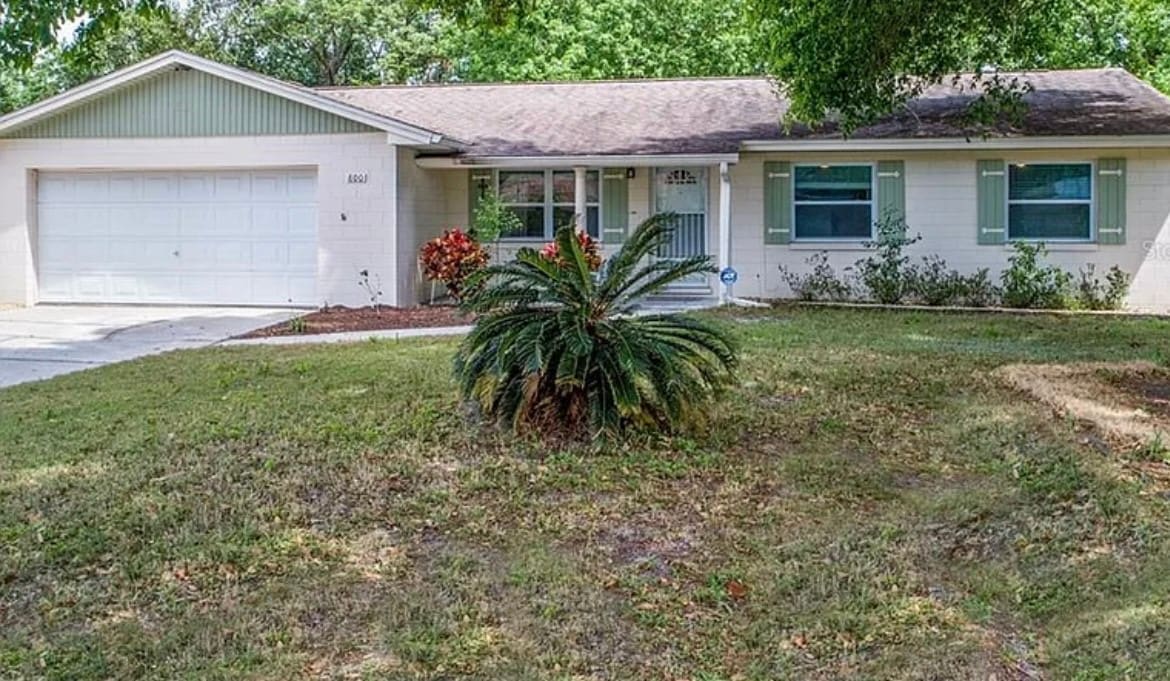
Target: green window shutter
(479, 183)
(615, 205)
(1111, 201)
(991, 190)
(891, 190)
(777, 202)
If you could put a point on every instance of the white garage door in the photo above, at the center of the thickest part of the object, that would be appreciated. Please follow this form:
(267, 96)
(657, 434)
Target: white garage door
(246, 237)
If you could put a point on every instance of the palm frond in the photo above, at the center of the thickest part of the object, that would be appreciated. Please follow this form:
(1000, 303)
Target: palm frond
(553, 349)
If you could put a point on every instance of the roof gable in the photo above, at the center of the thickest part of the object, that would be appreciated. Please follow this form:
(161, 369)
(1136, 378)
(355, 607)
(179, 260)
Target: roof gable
(187, 103)
(179, 95)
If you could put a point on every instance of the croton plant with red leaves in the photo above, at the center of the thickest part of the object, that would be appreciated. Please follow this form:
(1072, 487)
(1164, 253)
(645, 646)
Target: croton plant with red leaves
(589, 248)
(451, 259)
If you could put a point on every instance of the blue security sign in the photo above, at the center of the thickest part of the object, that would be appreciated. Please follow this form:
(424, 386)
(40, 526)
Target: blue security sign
(728, 276)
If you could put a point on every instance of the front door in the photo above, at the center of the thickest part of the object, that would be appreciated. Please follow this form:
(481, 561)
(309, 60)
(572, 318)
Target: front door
(683, 191)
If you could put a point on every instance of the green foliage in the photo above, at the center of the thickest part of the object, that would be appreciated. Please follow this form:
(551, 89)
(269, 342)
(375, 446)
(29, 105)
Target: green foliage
(493, 218)
(1093, 294)
(1029, 283)
(934, 283)
(887, 275)
(819, 283)
(557, 349)
(861, 60)
(591, 39)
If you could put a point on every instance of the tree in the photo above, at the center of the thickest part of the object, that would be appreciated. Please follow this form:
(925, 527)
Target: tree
(29, 26)
(335, 42)
(591, 39)
(556, 349)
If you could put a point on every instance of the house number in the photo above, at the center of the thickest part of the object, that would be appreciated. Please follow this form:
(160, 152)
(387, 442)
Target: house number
(357, 178)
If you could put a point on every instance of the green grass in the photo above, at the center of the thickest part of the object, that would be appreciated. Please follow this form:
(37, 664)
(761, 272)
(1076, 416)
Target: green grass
(890, 511)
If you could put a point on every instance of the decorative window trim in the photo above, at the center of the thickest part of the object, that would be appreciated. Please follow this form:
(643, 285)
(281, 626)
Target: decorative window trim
(1091, 202)
(549, 206)
(872, 203)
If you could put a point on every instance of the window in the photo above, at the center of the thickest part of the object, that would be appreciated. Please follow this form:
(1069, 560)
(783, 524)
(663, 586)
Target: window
(834, 202)
(544, 200)
(1050, 201)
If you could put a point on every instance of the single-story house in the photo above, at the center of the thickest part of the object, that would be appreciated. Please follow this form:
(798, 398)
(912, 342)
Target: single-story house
(182, 180)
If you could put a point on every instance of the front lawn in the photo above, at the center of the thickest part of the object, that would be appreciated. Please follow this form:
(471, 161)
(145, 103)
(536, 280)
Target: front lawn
(871, 503)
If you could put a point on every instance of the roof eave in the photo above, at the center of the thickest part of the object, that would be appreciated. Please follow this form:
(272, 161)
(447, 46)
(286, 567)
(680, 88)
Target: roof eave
(574, 160)
(961, 143)
(403, 133)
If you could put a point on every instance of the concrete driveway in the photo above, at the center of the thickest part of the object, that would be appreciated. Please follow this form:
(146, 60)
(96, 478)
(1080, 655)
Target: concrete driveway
(47, 340)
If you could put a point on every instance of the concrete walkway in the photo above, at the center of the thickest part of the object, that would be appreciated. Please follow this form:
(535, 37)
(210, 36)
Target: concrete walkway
(48, 340)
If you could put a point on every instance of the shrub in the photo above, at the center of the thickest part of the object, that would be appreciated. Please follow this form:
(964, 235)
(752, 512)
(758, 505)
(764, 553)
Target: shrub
(589, 249)
(493, 218)
(820, 283)
(452, 258)
(978, 290)
(556, 348)
(886, 275)
(933, 283)
(1029, 283)
(1092, 294)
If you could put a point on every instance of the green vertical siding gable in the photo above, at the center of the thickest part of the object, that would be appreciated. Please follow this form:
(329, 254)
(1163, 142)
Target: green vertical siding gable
(187, 103)
(615, 208)
(991, 196)
(777, 202)
(1111, 201)
(891, 190)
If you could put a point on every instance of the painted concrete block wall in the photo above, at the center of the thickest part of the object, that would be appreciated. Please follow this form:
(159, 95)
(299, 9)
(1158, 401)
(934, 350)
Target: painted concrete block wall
(941, 206)
(356, 222)
(423, 207)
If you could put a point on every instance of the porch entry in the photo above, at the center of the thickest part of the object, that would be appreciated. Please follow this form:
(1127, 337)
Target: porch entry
(683, 191)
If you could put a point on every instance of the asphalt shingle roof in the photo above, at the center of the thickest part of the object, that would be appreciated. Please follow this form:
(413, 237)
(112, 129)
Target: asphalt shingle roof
(716, 115)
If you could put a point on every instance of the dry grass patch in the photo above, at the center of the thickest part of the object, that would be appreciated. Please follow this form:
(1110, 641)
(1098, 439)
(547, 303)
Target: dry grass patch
(1129, 402)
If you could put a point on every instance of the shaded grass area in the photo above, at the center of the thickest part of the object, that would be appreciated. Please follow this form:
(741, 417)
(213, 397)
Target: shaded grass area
(870, 503)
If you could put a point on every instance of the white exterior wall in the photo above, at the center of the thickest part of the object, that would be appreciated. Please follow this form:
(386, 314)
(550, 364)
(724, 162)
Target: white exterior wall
(423, 213)
(941, 206)
(364, 239)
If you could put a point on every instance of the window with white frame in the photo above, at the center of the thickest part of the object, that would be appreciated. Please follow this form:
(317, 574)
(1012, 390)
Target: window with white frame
(833, 201)
(544, 200)
(1050, 201)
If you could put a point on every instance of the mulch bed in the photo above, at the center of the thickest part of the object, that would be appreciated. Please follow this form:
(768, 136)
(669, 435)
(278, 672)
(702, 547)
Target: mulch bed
(339, 318)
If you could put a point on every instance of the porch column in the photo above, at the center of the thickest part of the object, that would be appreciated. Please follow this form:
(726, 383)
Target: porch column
(724, 254)
(580, 208)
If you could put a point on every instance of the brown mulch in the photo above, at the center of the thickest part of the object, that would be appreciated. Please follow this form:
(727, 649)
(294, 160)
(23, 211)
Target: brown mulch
(339, 318)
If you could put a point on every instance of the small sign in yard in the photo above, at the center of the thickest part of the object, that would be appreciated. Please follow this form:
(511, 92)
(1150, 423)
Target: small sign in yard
(728, 276)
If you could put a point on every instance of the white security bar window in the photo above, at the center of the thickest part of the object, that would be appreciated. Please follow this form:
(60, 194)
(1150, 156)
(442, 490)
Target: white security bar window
(833, 202)
(544, 200)
(1050, 201)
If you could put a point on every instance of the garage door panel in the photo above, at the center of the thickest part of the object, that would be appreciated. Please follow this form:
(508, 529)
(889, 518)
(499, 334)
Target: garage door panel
(270, 220)
(222, 237)
(301, 184)
(90, 188)
(228, 254)
(125, 188)
(302, 221)
(269, 187)
(232, 187)
(160, 188)
(231, 220)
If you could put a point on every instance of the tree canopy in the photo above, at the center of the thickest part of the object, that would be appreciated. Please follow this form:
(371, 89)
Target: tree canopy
(852, 60)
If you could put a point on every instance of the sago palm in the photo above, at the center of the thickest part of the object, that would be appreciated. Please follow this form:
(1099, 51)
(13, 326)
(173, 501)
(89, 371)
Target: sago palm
(559, 349)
